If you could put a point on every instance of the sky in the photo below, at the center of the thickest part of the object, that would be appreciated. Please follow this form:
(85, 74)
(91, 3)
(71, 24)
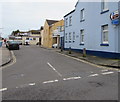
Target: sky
(28, 15)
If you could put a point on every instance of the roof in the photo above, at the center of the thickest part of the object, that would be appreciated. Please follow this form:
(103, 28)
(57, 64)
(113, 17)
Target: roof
(69, 13)
(50, 22)
(77, 3)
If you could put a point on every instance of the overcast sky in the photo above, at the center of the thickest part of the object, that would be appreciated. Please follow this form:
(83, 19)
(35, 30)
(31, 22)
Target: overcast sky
(29, 15)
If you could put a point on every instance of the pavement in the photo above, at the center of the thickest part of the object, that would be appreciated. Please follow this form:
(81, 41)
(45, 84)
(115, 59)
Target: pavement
(5, 56)
(113, 63)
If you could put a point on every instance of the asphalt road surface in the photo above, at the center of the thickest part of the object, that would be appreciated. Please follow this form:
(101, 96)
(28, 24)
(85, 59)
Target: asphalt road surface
(42, 74)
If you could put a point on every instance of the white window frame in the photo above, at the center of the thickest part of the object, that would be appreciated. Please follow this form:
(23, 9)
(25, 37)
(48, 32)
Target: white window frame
(104, 5)
(82, 14)
(70, 20)
(70, 37)
(82, 34)
(104, 32)
(66, 22)
(66, 38)
(73, 36)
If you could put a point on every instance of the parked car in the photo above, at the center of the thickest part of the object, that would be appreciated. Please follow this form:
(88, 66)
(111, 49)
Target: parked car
(19, 42)
(12, 45)
(7, 42)
(54, 45)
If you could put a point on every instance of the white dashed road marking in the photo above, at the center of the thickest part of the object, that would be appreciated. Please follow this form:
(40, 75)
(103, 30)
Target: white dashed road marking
(54, 69)
(31, 84)
(107, 73)
(3, 89)
(74, 78)
(93, 75)
(104, 70)
(51, 81)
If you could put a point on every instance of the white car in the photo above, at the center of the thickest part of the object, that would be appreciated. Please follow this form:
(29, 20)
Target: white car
(54, 45)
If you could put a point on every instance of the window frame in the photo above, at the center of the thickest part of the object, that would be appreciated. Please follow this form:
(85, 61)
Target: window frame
(82, 34)
(66, 22)
(104, 31)
(73, 36)
(103, 6)
(82, 14)
(70, 21)
(70, 36)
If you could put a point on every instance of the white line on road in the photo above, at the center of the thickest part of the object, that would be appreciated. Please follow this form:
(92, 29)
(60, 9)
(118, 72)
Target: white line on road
(107, 73)
(31, 84)
(93, 75)
(104, 70)
(74, 78)
(54, 69)
(51, 81)
(3, 89)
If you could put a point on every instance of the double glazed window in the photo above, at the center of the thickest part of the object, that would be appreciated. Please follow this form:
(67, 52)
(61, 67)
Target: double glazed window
(105, 34)
(82, 36)
(70, 21)
(73, 36)
(104, 5)
(66, 38)
(70, 36)
(82, 15)
(66, 22)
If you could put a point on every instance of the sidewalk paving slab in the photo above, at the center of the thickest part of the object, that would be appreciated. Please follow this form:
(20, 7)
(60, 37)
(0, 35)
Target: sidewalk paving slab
(113, 63)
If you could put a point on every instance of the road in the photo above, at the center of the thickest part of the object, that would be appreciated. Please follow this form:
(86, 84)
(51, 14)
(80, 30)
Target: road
(42, 74)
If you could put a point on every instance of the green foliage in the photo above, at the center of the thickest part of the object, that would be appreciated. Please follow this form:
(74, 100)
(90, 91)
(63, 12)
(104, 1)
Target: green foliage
(14, 33)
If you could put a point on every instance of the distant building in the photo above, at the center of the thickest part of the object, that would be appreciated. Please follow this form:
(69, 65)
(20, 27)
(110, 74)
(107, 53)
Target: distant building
(33, 36)
(94, 26)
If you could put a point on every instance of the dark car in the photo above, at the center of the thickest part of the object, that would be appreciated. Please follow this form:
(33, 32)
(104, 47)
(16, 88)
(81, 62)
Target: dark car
(12, 45)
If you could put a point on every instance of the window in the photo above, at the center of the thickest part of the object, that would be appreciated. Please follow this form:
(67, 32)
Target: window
(34, 38)
(82, 36)
(70, 21)
(27, 38)
(104, 5)
(105, 34)
(66, 22)
(82, 15)
(69, 36)
(66, 37)
(73, 36)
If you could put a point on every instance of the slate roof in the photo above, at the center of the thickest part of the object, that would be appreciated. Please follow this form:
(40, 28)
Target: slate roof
(50, 22)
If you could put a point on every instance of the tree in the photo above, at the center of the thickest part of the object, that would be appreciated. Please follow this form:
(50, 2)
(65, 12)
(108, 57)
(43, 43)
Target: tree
(14, 33)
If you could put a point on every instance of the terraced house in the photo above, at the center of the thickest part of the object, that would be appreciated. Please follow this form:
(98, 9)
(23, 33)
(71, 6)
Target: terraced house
(94, 26)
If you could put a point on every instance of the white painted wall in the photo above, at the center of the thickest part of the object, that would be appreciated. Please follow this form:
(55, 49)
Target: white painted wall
(92, 26)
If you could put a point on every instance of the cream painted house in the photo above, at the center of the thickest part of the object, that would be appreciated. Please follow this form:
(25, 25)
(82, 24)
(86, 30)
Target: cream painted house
(32, 36)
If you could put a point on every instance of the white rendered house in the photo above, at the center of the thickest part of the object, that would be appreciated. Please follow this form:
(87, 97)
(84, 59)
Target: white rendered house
(94, 26)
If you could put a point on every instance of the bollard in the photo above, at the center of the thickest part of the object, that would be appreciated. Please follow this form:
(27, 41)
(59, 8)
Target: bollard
(69, 50)
(84, 52)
